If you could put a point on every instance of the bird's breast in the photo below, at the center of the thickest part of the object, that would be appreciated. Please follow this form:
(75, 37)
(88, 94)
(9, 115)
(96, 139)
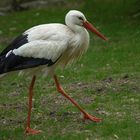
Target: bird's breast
(78, 45)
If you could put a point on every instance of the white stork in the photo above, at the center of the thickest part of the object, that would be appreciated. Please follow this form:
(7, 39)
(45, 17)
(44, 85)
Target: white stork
(47, 46)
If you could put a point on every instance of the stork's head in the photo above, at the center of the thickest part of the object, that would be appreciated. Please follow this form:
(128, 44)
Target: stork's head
(76, 20)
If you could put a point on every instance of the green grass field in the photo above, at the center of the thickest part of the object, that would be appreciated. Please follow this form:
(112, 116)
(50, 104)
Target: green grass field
(105, 81)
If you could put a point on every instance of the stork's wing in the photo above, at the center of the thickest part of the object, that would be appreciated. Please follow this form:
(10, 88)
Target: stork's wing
(33, 54)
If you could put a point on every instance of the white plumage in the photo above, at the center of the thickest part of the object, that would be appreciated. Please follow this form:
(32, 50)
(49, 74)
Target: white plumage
(51, 41)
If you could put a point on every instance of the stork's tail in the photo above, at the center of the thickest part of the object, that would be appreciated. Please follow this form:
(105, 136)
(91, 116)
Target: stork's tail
(1, 65)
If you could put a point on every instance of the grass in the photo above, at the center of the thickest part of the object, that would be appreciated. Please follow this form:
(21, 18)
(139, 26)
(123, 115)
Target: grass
(105, 82)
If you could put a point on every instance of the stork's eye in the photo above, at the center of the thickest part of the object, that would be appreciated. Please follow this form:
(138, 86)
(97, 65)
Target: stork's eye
(80, 18)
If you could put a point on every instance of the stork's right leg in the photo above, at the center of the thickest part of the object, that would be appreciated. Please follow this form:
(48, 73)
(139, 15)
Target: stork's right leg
(86, 115)
(28, 129)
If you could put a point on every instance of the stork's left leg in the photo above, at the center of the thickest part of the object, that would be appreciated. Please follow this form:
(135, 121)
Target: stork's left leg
(86, 115)
(28, 129)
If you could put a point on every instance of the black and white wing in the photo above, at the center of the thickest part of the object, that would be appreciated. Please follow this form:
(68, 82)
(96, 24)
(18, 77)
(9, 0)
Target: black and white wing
(40, 45)
(31, 55)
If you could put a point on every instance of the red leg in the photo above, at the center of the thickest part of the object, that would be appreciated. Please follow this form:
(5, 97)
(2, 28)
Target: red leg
(28, 129)
(86, 115)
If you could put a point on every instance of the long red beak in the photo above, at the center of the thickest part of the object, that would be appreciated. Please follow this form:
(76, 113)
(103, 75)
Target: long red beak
(90, 27)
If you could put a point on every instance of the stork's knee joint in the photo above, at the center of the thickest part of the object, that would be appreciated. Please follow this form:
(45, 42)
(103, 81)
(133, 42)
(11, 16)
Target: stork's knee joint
(59, 89)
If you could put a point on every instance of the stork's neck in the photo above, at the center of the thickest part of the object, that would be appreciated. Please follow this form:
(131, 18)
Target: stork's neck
(76, 28)
(80, 39)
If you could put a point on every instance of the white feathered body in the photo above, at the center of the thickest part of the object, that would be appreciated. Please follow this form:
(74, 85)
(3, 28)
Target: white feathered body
(54, 41)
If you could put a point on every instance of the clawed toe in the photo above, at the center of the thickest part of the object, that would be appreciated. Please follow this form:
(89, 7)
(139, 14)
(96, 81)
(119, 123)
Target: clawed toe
(30, 131)
(92, 118)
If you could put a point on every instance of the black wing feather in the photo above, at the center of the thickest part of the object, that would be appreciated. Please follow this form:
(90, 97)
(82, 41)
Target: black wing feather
(16, 43)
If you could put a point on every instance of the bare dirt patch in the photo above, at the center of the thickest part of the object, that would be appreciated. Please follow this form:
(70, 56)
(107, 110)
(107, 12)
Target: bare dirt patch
(125, 83)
